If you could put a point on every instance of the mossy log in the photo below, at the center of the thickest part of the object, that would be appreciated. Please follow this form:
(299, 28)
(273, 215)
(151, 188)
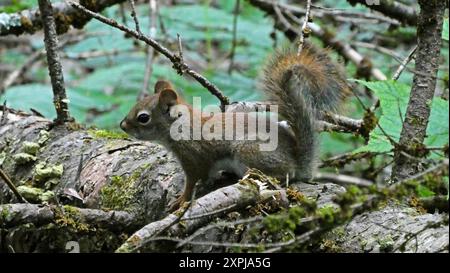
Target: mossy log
(97, 188)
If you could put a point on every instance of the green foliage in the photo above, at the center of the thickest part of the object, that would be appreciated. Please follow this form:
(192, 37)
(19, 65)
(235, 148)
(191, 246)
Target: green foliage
(394, 99)
(102, 89)
(284, 221)
(17, 5)
(445, 30)
(103, 97)
(424, 191)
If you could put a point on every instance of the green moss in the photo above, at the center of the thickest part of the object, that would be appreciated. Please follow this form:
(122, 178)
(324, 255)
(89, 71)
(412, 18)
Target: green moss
(43, 172)
(330, 246)
(370, 121)
(119, 194)
(5, 215)
(2, 158)
(24, 158)
(107, 134)
(31, 148)
(289, 220)
(35, 194)
(328, 214)
(70, 217)
(43, 137)
(351, 196)
(386, 244)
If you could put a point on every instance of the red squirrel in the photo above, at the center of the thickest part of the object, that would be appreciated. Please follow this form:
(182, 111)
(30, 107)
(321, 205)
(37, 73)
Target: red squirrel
(300, 85)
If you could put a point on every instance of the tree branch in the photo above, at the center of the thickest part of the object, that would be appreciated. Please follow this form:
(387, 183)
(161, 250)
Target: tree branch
(392, 9)
(419, 107)
(180, 66)
(54, 65)
(29, 21)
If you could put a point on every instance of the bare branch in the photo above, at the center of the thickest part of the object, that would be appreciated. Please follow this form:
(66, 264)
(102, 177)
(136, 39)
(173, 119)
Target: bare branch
(54, 65)
(305, 29)
(240, 195)
(11, 186)
(346, 50)
(342, 179)
(153, 9)
(405, 62)
(419, 107)
(29, 21)
(134, 15)
(174, 58)
(41, 215)
(393, 9)
(234, 43)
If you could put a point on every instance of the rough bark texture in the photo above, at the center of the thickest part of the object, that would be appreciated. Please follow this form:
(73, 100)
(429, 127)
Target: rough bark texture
(29, 21)
(414, 129)
(53, 61)
(392, 229)
(123, 185)
(393, 9)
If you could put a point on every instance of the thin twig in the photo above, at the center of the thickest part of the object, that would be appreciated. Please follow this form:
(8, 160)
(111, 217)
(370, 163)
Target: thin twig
(134, 15)
(174, 58)
(180, 50)
(305, 29)
(404, 64)
(342, 179)
(153, 9)
(343, 159)
(219, 224)
(54, 65)
(13, 188)
(208, 214)
(14, 75)
(234, 43)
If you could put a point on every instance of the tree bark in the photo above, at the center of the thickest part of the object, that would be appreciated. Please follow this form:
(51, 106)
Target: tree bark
(112, 187)
(390, 8)
(53, 61)
(29, 21)
(414, 129)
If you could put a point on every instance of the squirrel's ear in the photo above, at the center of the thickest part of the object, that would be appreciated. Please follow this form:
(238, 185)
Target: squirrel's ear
(161, 85)
(168, 97)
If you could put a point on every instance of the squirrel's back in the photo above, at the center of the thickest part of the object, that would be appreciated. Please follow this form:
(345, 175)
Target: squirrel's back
(302, 86)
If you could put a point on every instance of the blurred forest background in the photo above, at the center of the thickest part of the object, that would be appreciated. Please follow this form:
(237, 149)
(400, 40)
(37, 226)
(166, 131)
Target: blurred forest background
(104, 69)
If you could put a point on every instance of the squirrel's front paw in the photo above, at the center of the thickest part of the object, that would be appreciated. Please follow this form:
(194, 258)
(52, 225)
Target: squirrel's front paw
(176, 204)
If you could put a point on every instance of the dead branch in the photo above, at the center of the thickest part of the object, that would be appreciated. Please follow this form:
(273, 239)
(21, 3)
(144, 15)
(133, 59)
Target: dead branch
(11, 186)
(54, 65)
(29, 21)
(364, 65)
(18, 214)
(392, 9)
(342, 179)
(153, 17)
(247, 192)
(178, 65)
(305, 31)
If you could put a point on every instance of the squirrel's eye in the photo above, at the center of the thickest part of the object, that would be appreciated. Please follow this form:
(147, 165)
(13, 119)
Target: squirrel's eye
(143, 118)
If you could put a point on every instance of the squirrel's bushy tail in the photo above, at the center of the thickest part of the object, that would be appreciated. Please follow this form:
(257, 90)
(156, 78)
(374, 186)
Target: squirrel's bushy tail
(302, 86)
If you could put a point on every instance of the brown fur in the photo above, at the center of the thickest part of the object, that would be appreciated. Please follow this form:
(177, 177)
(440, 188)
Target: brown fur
(300, 85)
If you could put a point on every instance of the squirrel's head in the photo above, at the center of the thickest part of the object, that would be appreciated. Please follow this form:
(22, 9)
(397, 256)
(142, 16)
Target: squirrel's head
(150, 118)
